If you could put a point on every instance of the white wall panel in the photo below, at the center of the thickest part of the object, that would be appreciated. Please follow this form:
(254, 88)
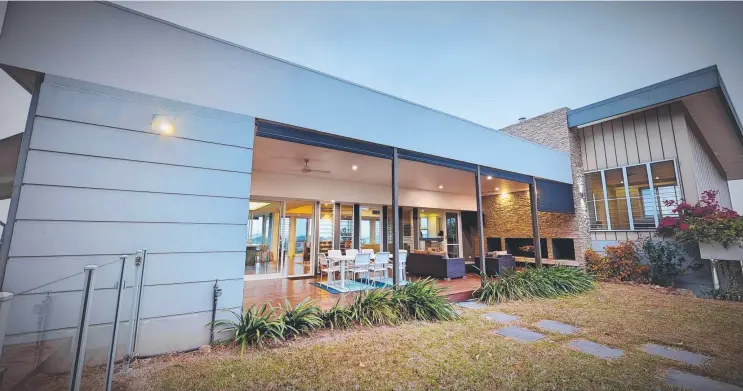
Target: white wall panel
(177, 333)
(51, 168)
(67, 203)
(174, 299)
(193, 267)
(50, 238)
(68, 270)
(93, 140)
(94, 104)
(155, 58)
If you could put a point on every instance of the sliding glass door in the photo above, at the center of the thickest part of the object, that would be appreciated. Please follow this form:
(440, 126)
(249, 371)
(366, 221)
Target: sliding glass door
(264, 251)
(299, 238)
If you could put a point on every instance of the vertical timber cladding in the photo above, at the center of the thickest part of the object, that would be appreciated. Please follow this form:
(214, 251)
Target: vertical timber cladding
(658, 133)
(100, 182)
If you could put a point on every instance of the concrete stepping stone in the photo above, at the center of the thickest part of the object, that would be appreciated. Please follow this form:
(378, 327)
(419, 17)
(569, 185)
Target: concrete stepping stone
(675, 354)
(472, 304)
(596, 349)
(557, 327)
(688, 381)
(500, 317)
(520, 334)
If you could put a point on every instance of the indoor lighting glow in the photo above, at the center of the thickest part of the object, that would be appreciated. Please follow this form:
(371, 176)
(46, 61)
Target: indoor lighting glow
(332, 201)
(256, 205)
(441, 186)
(656, 178)
(489, 177)
(497, 188)
(354, 167)
(621, 181)
(163, 124)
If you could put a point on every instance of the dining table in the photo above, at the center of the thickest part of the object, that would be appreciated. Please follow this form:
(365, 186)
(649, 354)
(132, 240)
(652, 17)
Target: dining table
(343, 260)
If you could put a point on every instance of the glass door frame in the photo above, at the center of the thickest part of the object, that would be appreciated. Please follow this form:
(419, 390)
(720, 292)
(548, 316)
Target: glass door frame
(280, 251)
(312, 231)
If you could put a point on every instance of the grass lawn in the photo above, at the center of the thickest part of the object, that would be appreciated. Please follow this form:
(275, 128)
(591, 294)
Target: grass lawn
(466, 354)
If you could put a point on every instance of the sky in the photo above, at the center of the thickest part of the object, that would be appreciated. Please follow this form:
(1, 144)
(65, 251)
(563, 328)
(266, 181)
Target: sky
(490, 63)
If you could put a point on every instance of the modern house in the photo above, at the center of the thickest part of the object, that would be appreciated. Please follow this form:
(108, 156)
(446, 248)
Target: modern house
(229, 165)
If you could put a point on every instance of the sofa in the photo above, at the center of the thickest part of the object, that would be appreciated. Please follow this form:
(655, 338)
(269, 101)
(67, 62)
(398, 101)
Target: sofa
(435, 265)
(495, 264)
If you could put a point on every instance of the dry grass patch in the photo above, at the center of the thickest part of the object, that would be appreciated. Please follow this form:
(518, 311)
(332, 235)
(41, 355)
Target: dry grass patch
(465, 355)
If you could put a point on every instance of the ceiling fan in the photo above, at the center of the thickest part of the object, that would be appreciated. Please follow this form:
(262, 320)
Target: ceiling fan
(307, 169)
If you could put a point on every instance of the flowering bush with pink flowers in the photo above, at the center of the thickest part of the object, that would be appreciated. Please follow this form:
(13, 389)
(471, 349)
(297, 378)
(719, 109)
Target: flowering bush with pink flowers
(704, 222)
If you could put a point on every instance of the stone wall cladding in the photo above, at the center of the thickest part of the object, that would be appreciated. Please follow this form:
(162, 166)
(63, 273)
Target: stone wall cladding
(549, 129)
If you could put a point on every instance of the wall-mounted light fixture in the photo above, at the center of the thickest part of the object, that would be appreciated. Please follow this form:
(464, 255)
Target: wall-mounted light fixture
(163, 124)
(354, 167)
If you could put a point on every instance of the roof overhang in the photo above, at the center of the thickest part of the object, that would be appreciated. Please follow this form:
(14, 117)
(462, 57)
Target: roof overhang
(703, 94)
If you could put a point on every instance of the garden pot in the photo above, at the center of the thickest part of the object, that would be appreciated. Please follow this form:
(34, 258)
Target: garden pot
(715, 252)
(719, 253)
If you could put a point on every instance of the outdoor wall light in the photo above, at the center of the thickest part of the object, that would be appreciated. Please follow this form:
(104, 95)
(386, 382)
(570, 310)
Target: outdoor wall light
(163, 124)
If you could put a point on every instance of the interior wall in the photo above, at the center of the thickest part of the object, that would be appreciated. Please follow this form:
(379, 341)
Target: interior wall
(270, 184)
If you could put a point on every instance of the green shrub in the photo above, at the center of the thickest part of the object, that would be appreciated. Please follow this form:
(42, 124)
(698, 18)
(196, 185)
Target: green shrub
(339, 317)
(621, 263)
(302, 319)
(533, 283)
(665, 261)
(253, 327)
(729, 294)
(374, 307)
(420, 300)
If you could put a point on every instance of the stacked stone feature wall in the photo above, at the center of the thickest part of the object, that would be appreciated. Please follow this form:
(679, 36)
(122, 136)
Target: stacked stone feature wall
(509, 216)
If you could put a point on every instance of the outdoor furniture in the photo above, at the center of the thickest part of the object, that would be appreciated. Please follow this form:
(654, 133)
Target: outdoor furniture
(368, 251)
(498, 264)
(328, 267)
(351, 252)
(381, 260)
(403, 264)
(335, 253)
(361, 264)
(437, 266)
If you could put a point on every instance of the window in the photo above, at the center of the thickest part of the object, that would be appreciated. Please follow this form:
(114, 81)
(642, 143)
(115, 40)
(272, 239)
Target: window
(595, 202)
(424, 227)
(634, 196)
(346, 227)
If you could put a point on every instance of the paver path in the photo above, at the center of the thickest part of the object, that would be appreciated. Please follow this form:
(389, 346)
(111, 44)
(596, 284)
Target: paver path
(472, 304)
(595, 349)
(500, 317)
(557, 327)
(675, 354)
(520, 334)
(688, 381)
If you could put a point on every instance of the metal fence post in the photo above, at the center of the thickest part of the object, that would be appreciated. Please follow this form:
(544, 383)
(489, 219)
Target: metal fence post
(82, 328)
(134, 314)
(115, 331)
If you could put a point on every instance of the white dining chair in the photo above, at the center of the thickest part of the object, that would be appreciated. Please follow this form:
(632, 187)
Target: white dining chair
(403, 260)
(335, 253)
(368, 251)
(381, 259)
(329, 267)
(361, 265)
(351, 252)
